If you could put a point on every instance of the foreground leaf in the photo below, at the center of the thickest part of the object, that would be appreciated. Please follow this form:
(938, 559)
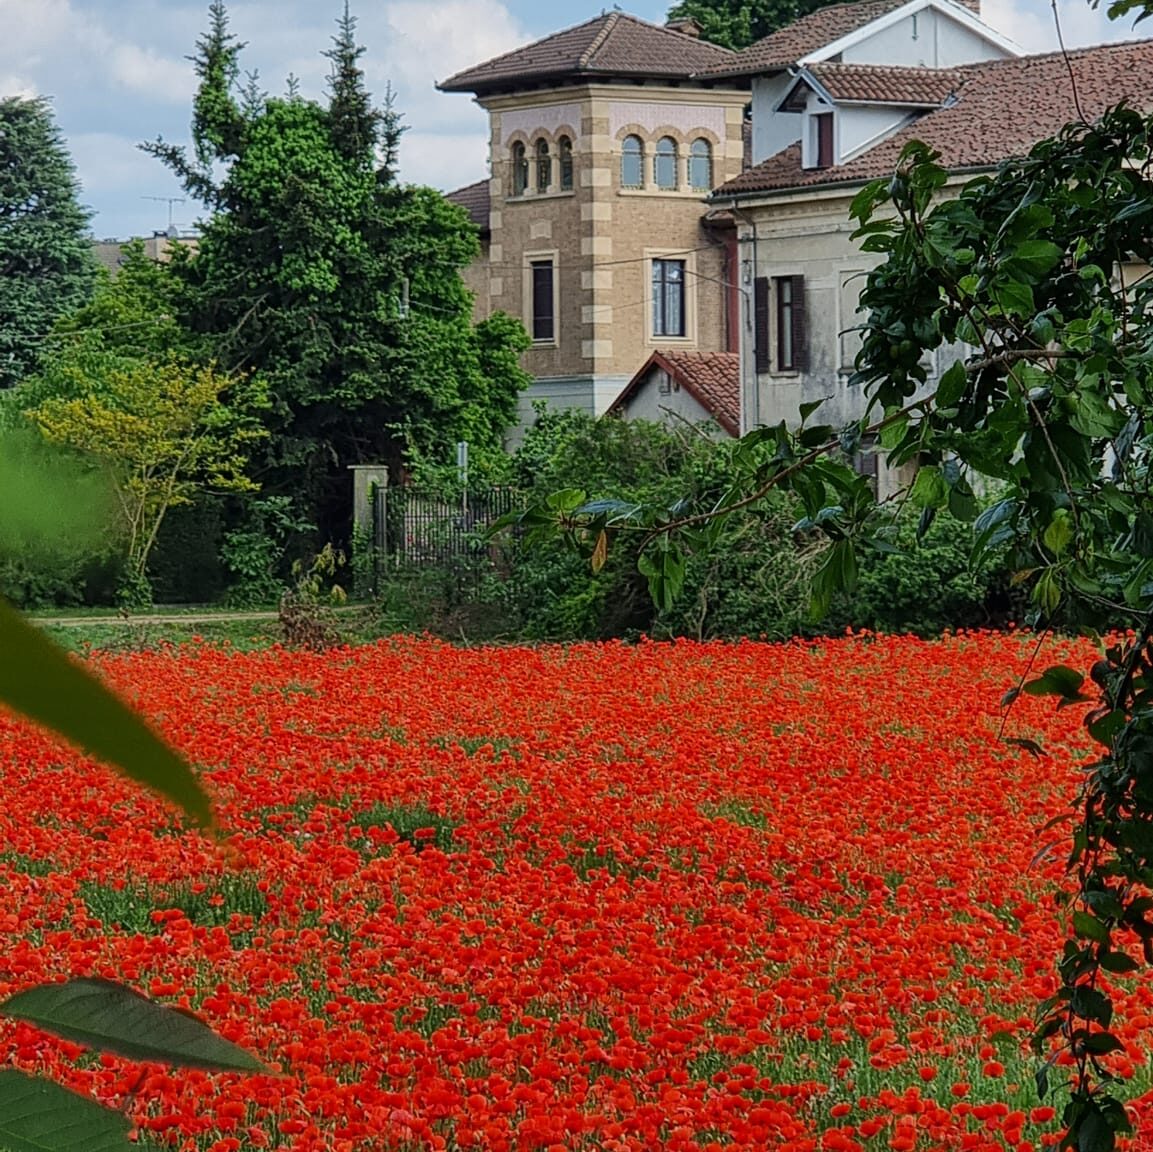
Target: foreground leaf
(39, 1116)
(40, 681)
(110, 1017)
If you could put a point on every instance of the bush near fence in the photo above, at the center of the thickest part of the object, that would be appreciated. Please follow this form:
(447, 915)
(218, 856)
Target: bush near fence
(443, 577)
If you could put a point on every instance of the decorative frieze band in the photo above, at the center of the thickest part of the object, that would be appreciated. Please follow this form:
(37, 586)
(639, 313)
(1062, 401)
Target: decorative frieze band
(539, 118)
(684, 118)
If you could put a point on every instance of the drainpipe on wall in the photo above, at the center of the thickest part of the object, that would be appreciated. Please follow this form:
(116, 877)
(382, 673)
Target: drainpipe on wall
(749, 373)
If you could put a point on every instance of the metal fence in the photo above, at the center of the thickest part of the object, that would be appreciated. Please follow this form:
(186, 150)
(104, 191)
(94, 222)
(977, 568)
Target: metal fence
(419, 529)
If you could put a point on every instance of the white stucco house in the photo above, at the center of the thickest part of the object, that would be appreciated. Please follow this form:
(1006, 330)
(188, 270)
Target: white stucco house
(831, 113)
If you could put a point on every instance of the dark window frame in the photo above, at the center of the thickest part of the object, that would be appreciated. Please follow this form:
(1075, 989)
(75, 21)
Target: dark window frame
(565, 157)
(670, 306)
(823, 139)
(542, 287)
(543, 159)
(633, 152)
(519, 169)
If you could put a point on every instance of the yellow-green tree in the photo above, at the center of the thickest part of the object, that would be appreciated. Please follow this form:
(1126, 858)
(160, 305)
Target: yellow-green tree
(164, 432)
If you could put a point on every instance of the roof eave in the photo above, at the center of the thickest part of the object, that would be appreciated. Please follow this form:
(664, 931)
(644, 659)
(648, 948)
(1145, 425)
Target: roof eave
(717, 199)
(572, 76)
(751, 72)
(924, 105)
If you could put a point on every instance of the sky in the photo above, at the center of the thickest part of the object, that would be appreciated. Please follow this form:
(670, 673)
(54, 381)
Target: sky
(117, 74)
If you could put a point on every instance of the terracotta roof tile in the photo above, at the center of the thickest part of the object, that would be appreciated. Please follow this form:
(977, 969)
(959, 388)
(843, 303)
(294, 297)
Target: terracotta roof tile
(713, 379)
(475, 199)
(785, 47)
(1001, 110)
(876, 84)
(612, 44)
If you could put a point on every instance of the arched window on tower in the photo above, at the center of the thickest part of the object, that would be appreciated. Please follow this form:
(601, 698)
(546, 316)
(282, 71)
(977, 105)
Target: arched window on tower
(519, 170)
(632, 162)
(564, 148)
(701, 166)
(543, 166)
(665, 164)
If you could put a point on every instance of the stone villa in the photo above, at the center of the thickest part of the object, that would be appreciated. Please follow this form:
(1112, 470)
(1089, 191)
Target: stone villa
(670, 219)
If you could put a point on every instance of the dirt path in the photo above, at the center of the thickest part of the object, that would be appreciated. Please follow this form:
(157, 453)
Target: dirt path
(176, 618)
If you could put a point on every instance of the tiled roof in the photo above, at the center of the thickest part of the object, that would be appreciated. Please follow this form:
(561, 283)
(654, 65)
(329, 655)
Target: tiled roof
(475, 200)
(612, 44)
(713, 379)
(785, 47)
(877, 84)
(1002, 109)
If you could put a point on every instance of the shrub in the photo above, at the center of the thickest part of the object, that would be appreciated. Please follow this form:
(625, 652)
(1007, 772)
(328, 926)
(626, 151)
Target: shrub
(254, 553)
(926, 588)
(755, 581)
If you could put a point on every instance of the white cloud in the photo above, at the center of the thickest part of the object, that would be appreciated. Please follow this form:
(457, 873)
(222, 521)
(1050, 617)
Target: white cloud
(13, 85)
(442, 160)
(1030, 23)
(53, 45)
(148, 73)
(436, 41)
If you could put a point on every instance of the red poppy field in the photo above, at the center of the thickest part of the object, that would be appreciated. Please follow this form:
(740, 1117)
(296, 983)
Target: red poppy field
(603, 897)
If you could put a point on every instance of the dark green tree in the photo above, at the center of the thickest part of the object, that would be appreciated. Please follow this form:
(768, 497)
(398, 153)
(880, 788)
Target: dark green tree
(47, 266)
(339, 285)
(739, 23)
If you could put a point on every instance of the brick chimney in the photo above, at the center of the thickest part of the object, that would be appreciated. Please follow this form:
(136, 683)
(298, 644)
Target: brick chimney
(692, 28)
(974, 6)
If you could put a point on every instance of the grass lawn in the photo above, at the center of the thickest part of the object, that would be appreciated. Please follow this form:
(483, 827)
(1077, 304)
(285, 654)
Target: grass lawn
(604, 897)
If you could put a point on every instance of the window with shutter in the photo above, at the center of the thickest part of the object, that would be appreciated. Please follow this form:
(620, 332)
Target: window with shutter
(792, 338)
(800, 328)
(761, 324)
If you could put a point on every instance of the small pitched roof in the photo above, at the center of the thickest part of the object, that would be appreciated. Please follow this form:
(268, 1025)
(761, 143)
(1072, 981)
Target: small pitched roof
(1000, 110)
(713, 379)
(879, 84)
(475, 199)
(791, 44)
(612, 44)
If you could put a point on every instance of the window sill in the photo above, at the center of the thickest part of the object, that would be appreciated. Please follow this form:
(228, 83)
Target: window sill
(668, 193)
(691, 340)
(533, 197)
(545, 344)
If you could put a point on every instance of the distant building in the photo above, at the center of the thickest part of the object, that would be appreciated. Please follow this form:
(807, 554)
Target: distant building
(694, 387)
(604, 144)
(158, 246)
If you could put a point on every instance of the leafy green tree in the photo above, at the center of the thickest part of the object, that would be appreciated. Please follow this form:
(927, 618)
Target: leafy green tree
(129, 320)
(165, 433)
(47, 267)
(739, 23)
(337, 284)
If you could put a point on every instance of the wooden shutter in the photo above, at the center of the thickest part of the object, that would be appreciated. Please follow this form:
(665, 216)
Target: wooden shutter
(800, 328)
(761, 324)
(825, 140)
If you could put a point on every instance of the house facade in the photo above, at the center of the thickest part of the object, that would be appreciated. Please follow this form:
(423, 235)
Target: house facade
(698, 389)
(595, 231)
(801, 336)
